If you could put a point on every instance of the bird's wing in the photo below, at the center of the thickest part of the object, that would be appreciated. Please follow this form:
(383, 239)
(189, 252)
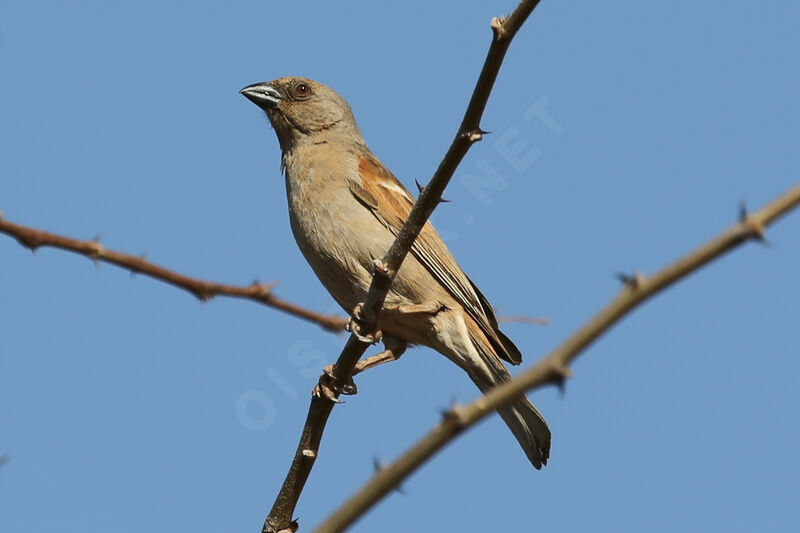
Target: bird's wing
(391, 204)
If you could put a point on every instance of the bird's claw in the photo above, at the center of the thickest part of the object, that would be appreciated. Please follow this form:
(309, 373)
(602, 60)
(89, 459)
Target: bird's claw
(349, 387)
(355, 324)
(329, 386)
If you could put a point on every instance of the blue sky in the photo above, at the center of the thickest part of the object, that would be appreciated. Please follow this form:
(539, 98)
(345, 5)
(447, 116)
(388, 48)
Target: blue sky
(129, 406)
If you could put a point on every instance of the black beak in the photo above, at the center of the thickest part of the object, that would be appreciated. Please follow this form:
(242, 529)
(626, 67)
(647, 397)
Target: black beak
(263, 95)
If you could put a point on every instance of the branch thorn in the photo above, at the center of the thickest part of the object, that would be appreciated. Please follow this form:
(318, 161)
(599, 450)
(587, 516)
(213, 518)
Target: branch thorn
(497, 26)
(377, 466)
(382, 268)
(29, 243)
(474, 135)
(756, 227)
(455, 416)
(421, 188)
(742, 212)
(444, 413)
(96, 249)
(561, 373)
(633, 281)
(291, 528)
(204, 296)
(263, 289)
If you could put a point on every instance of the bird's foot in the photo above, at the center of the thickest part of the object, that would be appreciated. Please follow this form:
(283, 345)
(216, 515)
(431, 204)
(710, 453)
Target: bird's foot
(360, 328)
(330, 387)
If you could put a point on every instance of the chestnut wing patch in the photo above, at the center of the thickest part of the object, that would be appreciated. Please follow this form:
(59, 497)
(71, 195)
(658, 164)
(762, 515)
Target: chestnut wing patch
(391, 204)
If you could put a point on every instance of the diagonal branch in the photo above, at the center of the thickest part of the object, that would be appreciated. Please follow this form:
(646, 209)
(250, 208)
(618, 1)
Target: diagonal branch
(469, 132)
(554, 368)
(203, 290)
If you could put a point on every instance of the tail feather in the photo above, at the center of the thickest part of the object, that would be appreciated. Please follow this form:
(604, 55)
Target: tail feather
(526, 423)
(472, 350)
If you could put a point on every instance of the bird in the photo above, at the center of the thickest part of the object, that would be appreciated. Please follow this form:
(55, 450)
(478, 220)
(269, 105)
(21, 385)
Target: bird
(345, 210)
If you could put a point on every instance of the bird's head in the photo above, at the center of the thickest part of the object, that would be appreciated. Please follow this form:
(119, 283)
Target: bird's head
(301, 109)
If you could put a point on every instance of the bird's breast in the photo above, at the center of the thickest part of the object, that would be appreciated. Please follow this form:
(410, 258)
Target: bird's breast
(340, 238)
(337, 236)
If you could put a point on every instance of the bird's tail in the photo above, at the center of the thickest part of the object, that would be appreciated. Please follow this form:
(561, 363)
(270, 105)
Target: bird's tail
(475, 354)
(522, 418)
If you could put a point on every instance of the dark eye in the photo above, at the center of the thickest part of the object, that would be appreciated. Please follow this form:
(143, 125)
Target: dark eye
(301, 89)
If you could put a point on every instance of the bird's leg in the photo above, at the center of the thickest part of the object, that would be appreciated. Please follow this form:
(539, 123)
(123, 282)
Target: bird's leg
(356, 324)
(329, 386)
(328, 383)
(429, 308)
(394, 348)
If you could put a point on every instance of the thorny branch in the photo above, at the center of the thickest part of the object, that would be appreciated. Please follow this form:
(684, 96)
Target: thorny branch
(469, 132)
(203, 290)
(33, 238)
(554, 368)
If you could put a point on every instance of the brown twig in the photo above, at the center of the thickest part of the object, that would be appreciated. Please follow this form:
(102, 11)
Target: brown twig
(469, 132)
(554, 368)
(524, 319)
(203, 290)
